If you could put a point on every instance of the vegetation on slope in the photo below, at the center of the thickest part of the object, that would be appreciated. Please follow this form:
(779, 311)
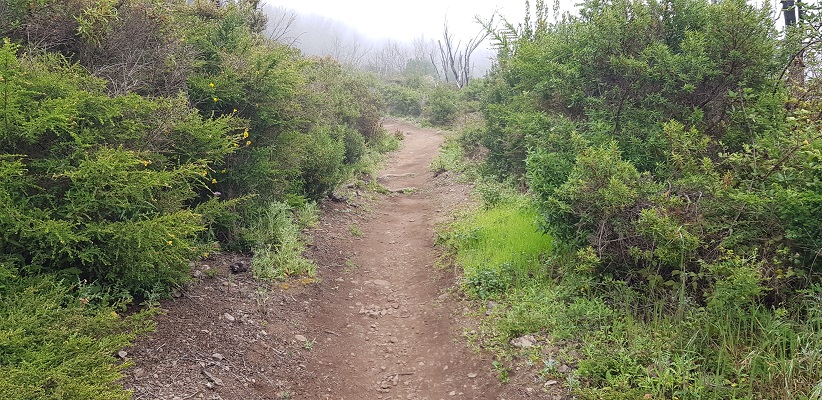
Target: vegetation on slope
(676, 170)
(139, 135)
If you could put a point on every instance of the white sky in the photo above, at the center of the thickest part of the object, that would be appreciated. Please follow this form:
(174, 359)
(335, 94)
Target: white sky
(407, 19)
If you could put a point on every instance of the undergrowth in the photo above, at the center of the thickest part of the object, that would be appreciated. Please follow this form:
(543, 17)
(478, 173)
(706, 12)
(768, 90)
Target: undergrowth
(55, 344)
(625, 345)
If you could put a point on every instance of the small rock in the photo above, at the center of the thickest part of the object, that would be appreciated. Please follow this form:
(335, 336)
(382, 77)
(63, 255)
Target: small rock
(300, 338)
(452, 393)
(381, 282)
(551, 383)
(442, 297)
(563, 369)
(393, 340)
(217, 356)
(228, 317)
(238, 267)
(524, 342)
(122, 354)
(472, 375)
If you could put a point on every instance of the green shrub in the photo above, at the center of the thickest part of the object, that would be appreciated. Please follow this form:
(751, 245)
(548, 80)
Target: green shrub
(441, 106)
(54, 345)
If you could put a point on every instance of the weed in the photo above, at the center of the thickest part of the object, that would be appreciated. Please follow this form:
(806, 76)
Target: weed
(350, 266)
(502, 371)
(355, 231)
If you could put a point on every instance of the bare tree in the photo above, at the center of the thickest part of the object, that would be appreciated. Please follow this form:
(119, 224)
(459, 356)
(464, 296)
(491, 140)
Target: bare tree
(389, 60)
(348, 52)
(280, 24)
(455, 58)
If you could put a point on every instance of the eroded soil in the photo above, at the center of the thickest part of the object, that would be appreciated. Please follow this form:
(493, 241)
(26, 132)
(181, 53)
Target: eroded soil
(382, 322)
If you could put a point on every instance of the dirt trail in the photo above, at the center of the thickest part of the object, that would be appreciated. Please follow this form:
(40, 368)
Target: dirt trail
(380, 324)
(392, 337)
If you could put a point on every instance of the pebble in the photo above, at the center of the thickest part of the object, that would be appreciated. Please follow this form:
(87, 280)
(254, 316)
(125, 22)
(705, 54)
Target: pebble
(472, 375)
(381, 282)
(228, 317)
(300, 338)
(217, 356)
(452, 393)
(122, 354)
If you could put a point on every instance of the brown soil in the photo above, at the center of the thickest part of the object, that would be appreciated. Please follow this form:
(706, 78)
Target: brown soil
(381, 322)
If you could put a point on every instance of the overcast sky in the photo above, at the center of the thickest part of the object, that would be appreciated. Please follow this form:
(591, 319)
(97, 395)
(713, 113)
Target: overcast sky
(407, 19)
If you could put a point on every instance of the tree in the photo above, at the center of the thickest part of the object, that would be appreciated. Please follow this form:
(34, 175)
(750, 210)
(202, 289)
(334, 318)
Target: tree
(455, 58)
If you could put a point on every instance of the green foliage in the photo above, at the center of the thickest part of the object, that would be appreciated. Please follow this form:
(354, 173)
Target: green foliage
(277, 244)
(679, 175)
(498, 247)
(441, 105)
(54, 345)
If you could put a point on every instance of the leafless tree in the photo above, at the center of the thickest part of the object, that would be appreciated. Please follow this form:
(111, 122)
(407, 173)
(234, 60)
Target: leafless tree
(455, 57)
(349, 52)
(280, 24)
(389, 60)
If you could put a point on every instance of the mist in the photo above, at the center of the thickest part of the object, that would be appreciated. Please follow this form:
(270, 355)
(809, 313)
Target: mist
(317, 35)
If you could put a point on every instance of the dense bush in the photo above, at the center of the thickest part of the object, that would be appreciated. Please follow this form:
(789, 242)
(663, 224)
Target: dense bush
(107, 184)
(660, 140)
(678, 171)
(97, 187)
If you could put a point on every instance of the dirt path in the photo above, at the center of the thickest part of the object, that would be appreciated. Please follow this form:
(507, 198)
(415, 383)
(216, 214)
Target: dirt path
(392, 337)
(380, 324)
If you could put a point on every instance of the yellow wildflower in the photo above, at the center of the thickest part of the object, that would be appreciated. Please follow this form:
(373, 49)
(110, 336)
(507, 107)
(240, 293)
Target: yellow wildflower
(205, 172)
(211, 84)
(223, 171)
(235, 144)
(215, 99)
(213, 181)
(170, 242)
(146, 163)
(247, 142)
(235, 110)
(245, 133)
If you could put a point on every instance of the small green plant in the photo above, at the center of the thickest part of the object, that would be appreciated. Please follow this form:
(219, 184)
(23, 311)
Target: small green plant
(309, 344)
(355, 231)
(502, 371)
(350, 266)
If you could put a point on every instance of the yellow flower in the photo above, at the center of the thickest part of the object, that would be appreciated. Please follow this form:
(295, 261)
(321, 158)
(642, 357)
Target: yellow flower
(146, 163)
(245, 133)
(235, 144)
(205, 172)
(170, 242)
(235, 110)
(247, 142)
(223, 171)
(211, 84)
(182, 39)
(215, 99)
(213, 181)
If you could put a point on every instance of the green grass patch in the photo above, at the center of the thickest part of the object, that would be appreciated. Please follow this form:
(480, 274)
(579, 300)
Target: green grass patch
(498, 248)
